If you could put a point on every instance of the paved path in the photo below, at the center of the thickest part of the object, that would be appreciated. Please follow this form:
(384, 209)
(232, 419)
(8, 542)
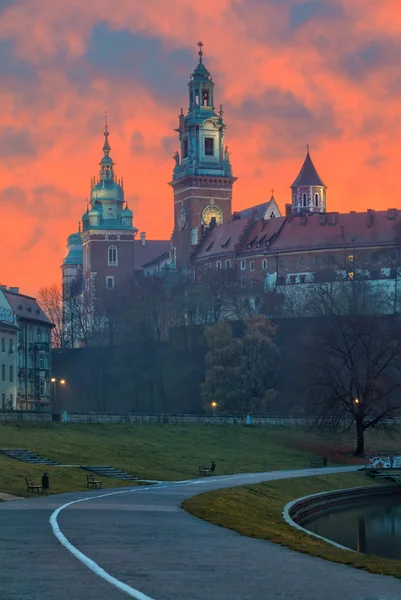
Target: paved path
(142, 538)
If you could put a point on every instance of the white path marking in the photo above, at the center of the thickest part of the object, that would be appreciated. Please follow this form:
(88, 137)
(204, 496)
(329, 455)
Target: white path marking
(123, 587)
(94, 567)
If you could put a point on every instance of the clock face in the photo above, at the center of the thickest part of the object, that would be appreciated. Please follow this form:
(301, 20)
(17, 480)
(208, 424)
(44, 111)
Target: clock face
(211, 211)
(182, 218)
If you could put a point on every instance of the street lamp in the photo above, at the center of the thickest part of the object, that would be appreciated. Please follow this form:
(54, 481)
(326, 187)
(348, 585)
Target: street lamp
(56, 381)
(213, 404)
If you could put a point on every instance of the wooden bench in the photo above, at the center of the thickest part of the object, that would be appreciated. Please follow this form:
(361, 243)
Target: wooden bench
(33, 487)
(92, 482)
(207, 471)
(318, 462)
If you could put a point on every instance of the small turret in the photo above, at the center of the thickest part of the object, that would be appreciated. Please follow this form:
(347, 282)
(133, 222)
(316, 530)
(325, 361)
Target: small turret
(308, 189)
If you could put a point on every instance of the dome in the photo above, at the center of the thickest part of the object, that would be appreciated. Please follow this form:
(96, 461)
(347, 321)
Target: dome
(107, 190)
(127, 212)
(74, 239)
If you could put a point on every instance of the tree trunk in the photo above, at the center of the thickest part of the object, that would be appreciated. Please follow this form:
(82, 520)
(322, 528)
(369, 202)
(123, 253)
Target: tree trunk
(360, 438)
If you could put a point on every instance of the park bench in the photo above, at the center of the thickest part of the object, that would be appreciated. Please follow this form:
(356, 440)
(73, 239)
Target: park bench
(92, 482)
(33, 487)
(207, 471)
(321, 461)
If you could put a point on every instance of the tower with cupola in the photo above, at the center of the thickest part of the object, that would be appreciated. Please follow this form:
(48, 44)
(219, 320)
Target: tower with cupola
(107, 238)
(308, 189)
(202, 177)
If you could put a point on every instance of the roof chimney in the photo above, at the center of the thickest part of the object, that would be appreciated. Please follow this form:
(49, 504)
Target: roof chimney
(142, 235)
(322, 218)
(370, 217)
(288, 210)
(391, 213)
(333, 219)
(236, 216)
(14, 290)
(3, 287)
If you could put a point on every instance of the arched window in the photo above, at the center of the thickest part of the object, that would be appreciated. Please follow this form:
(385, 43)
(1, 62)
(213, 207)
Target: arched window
(110, 213)
(316, 199)
(304, 199)
(112, 256)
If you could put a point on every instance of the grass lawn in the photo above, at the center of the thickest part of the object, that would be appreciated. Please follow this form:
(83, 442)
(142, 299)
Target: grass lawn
(256, 511)
(162, 452)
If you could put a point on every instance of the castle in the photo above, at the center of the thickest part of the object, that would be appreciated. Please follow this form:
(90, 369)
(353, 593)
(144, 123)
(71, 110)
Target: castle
(259, 244)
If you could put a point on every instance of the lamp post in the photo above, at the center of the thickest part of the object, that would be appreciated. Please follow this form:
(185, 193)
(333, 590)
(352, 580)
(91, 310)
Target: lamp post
(55, 383)
(214, 406)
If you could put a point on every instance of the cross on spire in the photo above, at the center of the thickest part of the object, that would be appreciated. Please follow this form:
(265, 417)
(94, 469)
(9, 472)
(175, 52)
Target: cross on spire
(200, 44)
(105, 121)
(307, 148)
(272, 191)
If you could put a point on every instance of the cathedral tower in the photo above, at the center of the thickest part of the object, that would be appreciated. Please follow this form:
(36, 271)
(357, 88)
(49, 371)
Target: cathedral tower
(308, 190)
(202, 176)
(107, 238)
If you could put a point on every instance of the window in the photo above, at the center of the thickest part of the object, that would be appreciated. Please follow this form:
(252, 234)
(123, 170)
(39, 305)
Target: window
(30, 334)
(209, 146)
(393, 255)
(196, 96)
(293, 279)
(112, 256)
(110, 283)
(302, 278)
(264, 264)
(30, 361)
(281, 262)
(41, 387)
(3, 372)
(252, 265)
(304, 200)
(205, 97)
(185, 148)
(243, 265)
(118, 238)
(41, 361)
(11, 373)
(46, 361)
(243, 282)
(47, 335)
(20, 359)
(302, 261)
(11, 400)
(228, 264)
(39, 335)
(318, 260)
(218, 265)
(110, 213)
(106, 237)
(316, 199)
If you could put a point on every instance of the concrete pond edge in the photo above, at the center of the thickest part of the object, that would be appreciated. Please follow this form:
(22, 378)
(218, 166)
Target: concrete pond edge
(297, 509)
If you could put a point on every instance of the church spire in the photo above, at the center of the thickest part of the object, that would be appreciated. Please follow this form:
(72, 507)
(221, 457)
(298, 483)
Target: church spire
(106, 164)
(308, 189)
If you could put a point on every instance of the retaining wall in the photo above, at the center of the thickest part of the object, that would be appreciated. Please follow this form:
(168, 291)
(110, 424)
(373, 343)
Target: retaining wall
(32, 416)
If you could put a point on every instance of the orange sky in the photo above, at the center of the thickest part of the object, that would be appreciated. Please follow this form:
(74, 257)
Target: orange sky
(288, 72)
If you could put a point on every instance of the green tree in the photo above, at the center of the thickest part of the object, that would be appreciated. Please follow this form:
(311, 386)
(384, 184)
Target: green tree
(240, 372)
(224, 364)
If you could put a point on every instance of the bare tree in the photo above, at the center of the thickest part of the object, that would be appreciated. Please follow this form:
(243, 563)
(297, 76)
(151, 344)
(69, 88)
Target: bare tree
(354, 374)
(51, 300)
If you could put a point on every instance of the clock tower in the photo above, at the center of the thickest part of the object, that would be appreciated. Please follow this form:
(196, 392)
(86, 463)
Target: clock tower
(202, 176)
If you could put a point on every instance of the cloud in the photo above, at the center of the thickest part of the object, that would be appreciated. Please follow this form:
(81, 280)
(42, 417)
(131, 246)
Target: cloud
(314, 9)
(32, 240)
(139, 59)
(16, 142)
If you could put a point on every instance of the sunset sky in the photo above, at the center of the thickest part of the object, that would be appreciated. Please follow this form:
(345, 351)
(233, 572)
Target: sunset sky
(288, 72)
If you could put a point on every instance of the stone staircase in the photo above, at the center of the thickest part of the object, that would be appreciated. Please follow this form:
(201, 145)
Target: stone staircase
(35, 459)
(27, 456)
(111, 472)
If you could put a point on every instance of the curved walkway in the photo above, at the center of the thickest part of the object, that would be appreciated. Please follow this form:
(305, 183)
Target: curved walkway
(143, 539)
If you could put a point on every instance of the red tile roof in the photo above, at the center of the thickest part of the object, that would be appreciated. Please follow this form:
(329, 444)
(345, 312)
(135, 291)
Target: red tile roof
(223, 238)
(148, 252)
(260, 234)
(26, 307)
(337, 230)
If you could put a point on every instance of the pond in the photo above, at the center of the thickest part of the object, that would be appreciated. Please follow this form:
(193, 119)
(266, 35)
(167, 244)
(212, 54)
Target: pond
(363, 527)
